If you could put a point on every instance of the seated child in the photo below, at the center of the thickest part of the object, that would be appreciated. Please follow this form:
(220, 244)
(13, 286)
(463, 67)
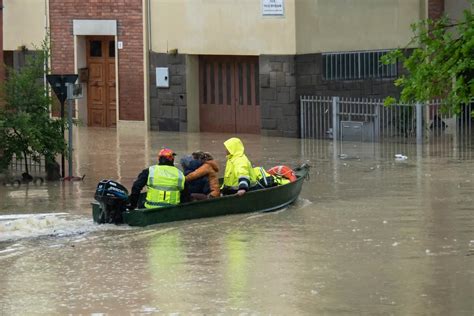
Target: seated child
(200, 185)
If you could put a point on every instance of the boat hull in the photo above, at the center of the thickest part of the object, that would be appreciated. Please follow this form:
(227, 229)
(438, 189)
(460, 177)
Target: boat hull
(265, 200)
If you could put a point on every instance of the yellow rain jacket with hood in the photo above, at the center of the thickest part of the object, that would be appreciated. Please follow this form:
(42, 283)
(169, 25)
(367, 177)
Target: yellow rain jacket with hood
(239, 174)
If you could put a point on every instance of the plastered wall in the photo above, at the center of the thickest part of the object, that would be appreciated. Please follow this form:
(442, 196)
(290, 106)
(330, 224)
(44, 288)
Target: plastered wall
(221, 27)
(24, 23)
(348, 25)
(237, 27)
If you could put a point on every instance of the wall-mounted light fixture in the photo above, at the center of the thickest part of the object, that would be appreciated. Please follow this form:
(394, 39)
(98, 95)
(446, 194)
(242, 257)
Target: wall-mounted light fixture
(22, 48)
(173, 51)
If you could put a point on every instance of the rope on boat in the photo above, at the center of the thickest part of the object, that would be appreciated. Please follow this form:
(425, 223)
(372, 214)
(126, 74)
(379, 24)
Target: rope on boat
(308, 166)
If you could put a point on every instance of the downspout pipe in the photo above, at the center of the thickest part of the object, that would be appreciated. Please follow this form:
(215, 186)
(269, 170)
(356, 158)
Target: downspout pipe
(2, 69)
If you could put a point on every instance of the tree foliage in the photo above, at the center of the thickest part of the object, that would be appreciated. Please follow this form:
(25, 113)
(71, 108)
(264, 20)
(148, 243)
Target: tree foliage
(26, 128)
(443, 64)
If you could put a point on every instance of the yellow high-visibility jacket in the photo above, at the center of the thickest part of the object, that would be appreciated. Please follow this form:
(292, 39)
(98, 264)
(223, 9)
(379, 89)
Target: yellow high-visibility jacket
(164, 186)
(239, 173)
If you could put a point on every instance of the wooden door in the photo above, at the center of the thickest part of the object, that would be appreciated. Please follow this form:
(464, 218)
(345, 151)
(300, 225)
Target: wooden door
(229, 94)
(247, 105)
(101, 100)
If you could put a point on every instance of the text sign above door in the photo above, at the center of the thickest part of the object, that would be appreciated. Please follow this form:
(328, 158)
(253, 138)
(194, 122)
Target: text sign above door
(273, 7)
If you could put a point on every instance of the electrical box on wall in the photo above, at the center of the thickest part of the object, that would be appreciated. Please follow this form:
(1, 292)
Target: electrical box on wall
(162, 77)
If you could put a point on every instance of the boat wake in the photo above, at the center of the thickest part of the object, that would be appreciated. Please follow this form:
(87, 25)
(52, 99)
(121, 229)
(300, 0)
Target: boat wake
(300, 203)
(25, 226)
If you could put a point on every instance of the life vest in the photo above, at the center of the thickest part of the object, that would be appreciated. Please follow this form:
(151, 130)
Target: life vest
(164, 186)
(283, 171)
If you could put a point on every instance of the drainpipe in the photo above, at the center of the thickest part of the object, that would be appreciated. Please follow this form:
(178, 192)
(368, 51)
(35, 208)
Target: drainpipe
(47, 62)
(435, 9)
(149, 25)
(46, 35)
(2, 69)
(146, 60)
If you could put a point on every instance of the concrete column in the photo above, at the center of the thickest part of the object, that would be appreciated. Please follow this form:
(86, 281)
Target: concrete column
(302, 117)
(377, 122)
(335, 118)
(419, 123)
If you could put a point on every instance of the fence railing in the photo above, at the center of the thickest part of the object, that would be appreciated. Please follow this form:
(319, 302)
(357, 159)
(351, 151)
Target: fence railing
(17, 165)
(367, 119)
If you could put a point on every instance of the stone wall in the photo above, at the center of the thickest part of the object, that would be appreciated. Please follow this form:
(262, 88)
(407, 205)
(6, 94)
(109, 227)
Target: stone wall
(168, 111)
(279, 107)
(283, 79)
(309, 81)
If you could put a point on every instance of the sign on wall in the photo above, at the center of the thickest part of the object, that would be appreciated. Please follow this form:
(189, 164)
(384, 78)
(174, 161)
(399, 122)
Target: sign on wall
(273, 7)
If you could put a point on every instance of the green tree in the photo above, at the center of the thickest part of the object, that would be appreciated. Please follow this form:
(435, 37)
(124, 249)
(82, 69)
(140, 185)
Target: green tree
(26, 128)
(443, 64)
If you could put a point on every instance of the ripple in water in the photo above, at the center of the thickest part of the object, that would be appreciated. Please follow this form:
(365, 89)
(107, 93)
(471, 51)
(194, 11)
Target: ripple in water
(15, 227)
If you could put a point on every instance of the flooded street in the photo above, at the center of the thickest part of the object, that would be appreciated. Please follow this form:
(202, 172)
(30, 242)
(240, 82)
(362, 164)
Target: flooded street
(369, 234)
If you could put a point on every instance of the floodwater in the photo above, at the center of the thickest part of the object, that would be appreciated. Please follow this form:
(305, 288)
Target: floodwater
(369, 235)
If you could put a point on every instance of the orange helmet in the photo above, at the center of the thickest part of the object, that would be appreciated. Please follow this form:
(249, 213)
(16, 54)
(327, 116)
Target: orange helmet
(167, 154)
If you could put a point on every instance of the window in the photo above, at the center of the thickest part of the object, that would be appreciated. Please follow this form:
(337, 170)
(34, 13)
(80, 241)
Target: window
(112, 49)
(95, 49)
(356, 65)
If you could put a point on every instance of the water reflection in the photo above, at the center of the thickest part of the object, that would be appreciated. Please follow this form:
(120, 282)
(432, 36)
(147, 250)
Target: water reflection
(237, 272)
(370, 235)
(165, 264)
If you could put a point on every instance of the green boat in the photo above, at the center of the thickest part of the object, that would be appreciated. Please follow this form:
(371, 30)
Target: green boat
(263, 200)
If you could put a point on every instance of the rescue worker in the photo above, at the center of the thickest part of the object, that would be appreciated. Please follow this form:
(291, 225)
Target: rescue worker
(164, 182)
(239, 176)
(208, 170)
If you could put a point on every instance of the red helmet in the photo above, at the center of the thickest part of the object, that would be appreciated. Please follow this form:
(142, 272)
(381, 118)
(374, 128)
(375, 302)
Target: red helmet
(167, 154)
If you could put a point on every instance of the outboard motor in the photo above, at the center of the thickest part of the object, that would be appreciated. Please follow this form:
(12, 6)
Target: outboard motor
(113, 198)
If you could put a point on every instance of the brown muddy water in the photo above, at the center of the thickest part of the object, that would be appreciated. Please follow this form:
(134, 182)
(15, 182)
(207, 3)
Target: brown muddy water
(369, 235)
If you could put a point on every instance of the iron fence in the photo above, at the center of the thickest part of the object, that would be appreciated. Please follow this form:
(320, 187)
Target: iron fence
(367, 119)
(35, 167)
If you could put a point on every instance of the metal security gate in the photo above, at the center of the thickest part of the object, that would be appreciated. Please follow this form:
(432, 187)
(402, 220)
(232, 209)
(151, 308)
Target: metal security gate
(228, 93)
(364, 119)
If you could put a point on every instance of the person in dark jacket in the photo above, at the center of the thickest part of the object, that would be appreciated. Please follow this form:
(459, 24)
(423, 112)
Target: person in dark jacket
(208, 170)
(198, 188)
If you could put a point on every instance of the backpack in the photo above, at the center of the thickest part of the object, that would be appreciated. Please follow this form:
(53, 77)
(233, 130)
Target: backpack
(264, 179)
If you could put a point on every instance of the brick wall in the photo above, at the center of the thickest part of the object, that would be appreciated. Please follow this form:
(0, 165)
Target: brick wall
(168, 110)
(435, 9)
(128, 14)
